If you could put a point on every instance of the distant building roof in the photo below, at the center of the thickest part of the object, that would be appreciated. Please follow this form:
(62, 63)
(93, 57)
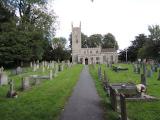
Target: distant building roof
(109, 50)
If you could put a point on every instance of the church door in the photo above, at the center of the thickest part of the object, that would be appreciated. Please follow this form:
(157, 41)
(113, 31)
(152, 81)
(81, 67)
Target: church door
(86, 61)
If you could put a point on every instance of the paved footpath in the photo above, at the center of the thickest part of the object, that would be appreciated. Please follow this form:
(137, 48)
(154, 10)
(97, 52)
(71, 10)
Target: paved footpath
(84, 104)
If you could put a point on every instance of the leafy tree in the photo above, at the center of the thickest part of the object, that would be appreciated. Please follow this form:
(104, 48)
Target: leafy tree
(151, 48)
(24, 37)
(94, 40)
(109, 41)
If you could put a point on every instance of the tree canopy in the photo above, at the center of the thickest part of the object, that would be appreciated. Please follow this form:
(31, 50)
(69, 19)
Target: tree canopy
(25, 29)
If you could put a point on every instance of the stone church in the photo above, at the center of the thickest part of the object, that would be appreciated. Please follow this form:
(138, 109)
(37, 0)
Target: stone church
(90, 55)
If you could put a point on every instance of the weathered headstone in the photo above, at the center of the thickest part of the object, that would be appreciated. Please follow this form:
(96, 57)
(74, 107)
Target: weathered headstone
(3, 78)
(1, 69)
(31, 64)
(25, 83)
(11, 92)
(18, 70)
(50, 74)
(143, 79)
(34, 67)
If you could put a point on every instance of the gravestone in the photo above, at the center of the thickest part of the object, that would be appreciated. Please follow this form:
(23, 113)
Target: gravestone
(31, 64)
(143, 79)
(18, 70)
(99, 73)
(11, 92)
(149, 73)
(50, 74)
(34, 67)
(156, 68)
(25, 83)
(3, 78)
(1, 69)
(152, 67)
(106, 82)
(159, 75)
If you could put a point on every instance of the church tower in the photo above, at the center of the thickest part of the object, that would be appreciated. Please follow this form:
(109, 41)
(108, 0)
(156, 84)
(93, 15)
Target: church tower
(76, 42)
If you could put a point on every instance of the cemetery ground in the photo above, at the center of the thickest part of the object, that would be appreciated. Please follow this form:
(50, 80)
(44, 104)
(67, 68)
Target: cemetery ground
(44, 101)
(136, 110)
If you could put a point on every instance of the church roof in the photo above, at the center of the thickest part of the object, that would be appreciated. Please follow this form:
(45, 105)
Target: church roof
(108, 50)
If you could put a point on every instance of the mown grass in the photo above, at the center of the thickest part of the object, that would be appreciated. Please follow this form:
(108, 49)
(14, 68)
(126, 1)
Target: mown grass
(109, 114)
(42, 102)
(135, 110)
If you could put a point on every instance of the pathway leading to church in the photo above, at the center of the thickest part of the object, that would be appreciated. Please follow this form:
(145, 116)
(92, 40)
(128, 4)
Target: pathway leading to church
(84, 104)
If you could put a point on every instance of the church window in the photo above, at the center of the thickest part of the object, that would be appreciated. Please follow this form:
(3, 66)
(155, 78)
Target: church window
(97, 58)
(90, 52)
(97, 51)
(84, 52)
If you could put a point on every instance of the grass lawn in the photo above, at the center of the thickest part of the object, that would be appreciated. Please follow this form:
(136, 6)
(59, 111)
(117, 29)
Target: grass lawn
(135, 110)
(42, 102)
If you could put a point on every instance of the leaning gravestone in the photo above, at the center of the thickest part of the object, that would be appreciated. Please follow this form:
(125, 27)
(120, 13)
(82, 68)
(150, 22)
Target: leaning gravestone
(25, 83)
(3, 78)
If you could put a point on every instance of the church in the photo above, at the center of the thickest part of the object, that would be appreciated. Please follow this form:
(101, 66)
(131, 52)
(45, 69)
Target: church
(90, 55)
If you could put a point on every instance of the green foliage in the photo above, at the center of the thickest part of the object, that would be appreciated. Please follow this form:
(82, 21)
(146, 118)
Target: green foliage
(24, 37)
(109, 41)
(96, 40)
(151, 48)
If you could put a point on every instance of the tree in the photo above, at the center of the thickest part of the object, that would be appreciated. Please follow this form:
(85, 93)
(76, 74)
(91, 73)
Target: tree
(151, 48)
(24, 37)
(109, 41)
(94, 40)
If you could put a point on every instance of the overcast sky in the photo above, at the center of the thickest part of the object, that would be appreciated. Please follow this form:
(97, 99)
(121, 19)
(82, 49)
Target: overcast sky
(125, 19)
